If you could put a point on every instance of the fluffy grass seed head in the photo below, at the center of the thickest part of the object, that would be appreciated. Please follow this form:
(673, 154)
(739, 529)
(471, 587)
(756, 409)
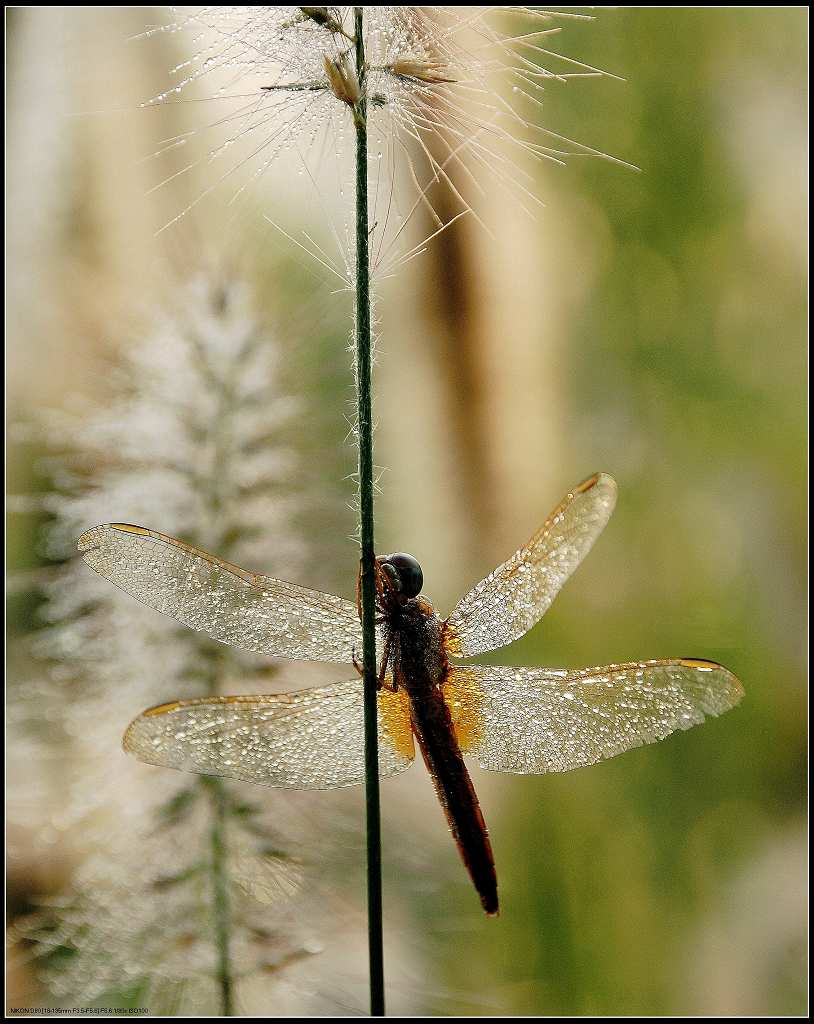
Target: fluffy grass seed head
(187, 439)
(453, 103)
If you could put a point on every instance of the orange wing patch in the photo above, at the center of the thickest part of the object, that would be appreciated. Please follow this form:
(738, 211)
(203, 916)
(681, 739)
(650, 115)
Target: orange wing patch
(464, 698)
(394, 716)
(451, 640)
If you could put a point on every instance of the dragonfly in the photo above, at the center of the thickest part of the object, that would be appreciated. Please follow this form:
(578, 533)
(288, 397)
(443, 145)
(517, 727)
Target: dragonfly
(527, 721)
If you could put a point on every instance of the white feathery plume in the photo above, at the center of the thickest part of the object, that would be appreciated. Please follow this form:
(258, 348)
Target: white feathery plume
(454, 104)
(188, 439)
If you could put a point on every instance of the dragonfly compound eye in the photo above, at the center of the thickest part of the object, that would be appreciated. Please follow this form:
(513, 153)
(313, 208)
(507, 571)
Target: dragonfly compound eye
(409, 574)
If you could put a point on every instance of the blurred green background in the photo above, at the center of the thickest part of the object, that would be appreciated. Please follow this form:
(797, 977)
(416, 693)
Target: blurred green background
(652, 325)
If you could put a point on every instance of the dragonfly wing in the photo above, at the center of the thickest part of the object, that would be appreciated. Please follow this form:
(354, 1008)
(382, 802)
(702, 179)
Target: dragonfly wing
(531, 721)
(313, 739)
(518, 593)
(256, 613)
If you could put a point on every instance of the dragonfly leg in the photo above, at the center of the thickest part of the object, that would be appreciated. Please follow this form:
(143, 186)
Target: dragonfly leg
(380, 677)
(380, 591)
(392, 687)
(380, 680)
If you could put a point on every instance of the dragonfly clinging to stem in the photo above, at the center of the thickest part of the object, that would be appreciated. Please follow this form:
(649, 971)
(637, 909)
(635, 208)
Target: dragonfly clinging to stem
(522, 720)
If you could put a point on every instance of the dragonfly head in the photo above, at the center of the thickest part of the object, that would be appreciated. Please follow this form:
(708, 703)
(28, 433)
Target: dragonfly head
(403, 574)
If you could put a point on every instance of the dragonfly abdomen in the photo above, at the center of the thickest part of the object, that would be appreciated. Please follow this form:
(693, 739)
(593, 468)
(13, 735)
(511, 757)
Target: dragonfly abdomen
(433, 728)
(420, 667)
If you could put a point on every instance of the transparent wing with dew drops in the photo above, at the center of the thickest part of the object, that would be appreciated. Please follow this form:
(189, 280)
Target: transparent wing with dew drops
(313, 739)
(518, 593)
(531, 720)
(253, 612)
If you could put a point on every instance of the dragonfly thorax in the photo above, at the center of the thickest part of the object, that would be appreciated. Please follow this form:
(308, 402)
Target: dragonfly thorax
(415, 644)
